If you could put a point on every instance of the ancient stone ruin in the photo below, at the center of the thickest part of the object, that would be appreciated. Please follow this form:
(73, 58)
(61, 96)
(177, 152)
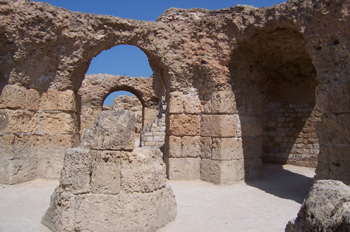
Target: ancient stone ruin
(242, 85)
(106, 185)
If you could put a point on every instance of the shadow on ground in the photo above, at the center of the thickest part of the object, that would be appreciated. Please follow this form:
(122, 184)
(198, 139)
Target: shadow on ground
(282, 183)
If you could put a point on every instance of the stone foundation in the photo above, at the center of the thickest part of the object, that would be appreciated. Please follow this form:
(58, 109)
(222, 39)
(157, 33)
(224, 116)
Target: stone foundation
(105, 185)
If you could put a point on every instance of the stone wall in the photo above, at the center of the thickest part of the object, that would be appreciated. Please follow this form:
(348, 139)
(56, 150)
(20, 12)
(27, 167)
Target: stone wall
(284, 141)
(292, 53)
(36, 128)
(95, 89)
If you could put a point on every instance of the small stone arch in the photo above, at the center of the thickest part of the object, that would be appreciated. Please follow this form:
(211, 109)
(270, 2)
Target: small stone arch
(96, 87)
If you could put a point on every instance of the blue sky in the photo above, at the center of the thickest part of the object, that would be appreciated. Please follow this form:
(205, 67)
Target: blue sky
(129, 60)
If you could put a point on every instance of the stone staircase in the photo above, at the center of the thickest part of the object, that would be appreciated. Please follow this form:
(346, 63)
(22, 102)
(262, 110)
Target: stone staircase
(153, 135)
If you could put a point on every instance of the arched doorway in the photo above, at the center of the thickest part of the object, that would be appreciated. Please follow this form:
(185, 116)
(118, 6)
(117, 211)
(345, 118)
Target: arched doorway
(274, 82)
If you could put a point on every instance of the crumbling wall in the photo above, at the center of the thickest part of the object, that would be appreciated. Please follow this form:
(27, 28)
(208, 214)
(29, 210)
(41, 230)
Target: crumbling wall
(231, 68)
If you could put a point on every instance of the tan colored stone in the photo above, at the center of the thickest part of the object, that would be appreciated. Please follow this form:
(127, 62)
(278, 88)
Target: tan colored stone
(105, 176)
(184, 168)
(227, 149)
(143, 171)
(54, 123)
(21, 121)
(65, 140)
(218, 125)
(50, 162)
(180, 125)
(191, 104)
(49, 100)
(13, 97)
(191, 146)
(75, 176)
(175, 105)
(32, 99)
(173, 146)
(68, 101)
(224, 102)
(222, 172)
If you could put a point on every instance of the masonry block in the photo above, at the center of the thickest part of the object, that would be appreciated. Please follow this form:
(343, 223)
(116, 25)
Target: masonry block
(218, 126)
(68, 101)
(184, 168)
(182, 125)
(251, 125)
(222, 172)
(175, 105)
(192, 104)
(227, 149)
(58, 123)
(13, 97)
(252, 168)
(49, 100)
(105, 176)
(224, 102)
(32, 99)
(173, 146)
(18, 121)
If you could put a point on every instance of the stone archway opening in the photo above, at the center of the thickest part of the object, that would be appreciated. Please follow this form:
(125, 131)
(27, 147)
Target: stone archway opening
(274, 82)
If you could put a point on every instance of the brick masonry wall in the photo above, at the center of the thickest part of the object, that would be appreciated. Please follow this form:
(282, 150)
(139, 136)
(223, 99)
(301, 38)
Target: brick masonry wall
(289, 134)
(36, 128)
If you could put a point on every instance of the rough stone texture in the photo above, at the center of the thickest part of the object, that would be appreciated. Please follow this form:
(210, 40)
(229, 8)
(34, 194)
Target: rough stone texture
(326, 208)
(95, 89)
(105, 188)
(236, 62)
(113, 130)
(184, 168)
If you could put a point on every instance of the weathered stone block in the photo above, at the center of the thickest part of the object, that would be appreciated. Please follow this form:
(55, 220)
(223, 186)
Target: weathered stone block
(58, 123)
(50, 162)
(173, 146)
(251, 125)
(142, 170)
(227, 149)
(105, 176)
(323, 167)
(175, 105)
(13, 97)
(68, 101)
(32, 99)
(191, 146)
(181, 125)
(75, 176)
(192, 104)
(184, 168)
(224, 102)
(49, 100)
(206, 147)
(112, 130)
(339, 161)
(218, 125)
(23, 168)
(222, 172)
(65, 140)
(19, 121)
(125, 212)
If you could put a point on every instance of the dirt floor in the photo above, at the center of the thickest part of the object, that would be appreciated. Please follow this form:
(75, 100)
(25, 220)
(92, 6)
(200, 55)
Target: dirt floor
(266, 204)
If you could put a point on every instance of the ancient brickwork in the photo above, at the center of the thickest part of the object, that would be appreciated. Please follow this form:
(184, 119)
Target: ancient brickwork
(36, 128)
(219, 70)
(283, 142)
(95, 89)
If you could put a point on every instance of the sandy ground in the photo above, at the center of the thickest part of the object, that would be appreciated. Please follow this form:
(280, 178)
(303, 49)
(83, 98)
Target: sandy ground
(265, 205)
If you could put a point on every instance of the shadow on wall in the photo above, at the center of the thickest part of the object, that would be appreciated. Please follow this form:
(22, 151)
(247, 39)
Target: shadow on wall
(274, 83)
(283, 183)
